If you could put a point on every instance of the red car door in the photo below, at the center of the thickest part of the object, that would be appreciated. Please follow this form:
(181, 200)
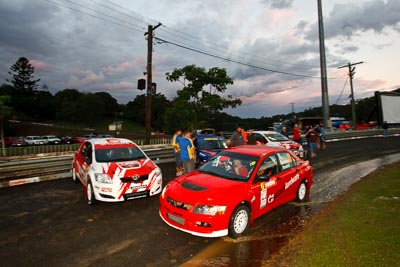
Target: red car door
(266, 186)
(289, 176)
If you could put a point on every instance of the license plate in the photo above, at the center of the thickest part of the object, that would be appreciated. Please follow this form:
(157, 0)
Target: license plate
(176, 219)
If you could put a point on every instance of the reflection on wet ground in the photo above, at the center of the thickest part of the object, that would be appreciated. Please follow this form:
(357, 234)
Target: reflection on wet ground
(273, 230)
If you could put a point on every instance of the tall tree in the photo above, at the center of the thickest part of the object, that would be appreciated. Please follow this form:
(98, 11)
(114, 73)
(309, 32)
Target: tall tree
(22, 73)
(200, 98)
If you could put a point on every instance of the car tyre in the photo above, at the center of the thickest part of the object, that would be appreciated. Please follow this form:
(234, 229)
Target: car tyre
(301, 194)
(239, 221)
(91, 199)
(74, 178)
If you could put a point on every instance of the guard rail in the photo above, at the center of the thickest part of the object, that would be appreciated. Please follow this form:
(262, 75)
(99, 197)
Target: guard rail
(42, 169)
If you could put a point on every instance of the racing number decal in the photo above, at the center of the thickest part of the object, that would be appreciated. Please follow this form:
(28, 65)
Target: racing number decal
(263, 195)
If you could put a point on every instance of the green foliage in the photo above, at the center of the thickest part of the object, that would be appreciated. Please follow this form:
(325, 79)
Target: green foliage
(5, 112)
(200, 98)
(135, 110)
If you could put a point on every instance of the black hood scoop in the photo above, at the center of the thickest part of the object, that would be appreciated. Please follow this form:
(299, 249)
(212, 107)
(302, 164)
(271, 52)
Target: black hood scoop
(193, 187)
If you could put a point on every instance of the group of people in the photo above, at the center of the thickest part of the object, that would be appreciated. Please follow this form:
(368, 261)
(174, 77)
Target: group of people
(184, 151)
(241, 137)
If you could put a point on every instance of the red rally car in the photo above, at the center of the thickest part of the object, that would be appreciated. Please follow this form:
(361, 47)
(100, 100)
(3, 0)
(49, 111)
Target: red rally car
(115, 169)
(237, 185)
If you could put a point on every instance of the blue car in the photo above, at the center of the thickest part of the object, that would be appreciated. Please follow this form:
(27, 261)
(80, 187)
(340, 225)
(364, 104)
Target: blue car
(208, 145)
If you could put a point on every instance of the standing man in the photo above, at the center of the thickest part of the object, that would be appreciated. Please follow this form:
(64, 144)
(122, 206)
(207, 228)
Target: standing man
(177, 154)
(296, 134)
(385, 127)
(236, 138)
(312, 137)
(187, 150)
(284, 131)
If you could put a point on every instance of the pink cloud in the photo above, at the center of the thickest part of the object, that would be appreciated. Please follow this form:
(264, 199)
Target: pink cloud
(125, 66)
(119, 86)
(39, 65)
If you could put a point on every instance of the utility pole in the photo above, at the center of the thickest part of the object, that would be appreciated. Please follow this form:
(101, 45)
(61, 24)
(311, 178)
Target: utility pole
(324, 81)
(149, 80)
(292, 104)
(353, 103)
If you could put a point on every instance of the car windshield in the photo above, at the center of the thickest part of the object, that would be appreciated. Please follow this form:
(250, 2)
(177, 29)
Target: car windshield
(211, 143)
(276, 137)
(119, 154)
(229, 165)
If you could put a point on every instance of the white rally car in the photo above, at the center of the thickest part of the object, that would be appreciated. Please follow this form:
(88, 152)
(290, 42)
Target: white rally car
(115, 169)
(275, 139)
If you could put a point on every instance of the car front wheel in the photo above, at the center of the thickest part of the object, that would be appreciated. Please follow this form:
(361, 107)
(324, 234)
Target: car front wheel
(302, 192)
(90, 194)
(239, 221)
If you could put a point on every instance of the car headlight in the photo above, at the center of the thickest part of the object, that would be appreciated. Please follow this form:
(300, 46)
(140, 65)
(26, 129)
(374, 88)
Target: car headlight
(157, 172)
(102, 178)
(209, 210)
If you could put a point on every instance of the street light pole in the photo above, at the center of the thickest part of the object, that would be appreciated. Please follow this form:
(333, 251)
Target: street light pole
(324, 81)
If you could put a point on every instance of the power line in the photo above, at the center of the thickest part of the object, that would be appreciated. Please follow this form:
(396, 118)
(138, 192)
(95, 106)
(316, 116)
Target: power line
(337, 101)
(235, 61)
(80, 11)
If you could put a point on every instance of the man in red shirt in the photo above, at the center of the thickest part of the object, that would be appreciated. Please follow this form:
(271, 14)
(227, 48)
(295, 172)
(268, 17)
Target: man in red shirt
(296, 134)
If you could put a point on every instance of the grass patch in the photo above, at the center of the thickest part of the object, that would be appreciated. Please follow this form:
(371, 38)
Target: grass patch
(361, 228)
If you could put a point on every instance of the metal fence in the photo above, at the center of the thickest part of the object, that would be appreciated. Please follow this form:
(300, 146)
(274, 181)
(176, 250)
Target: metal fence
(49, 149)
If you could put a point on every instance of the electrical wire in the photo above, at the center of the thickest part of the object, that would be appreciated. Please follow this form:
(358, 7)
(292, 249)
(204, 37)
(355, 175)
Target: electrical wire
(238, 62)
(80, 11)
(337, 101)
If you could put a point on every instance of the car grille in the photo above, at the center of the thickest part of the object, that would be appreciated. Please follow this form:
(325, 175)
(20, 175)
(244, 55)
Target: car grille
(134, 179)
(178, 204)
(136, 195)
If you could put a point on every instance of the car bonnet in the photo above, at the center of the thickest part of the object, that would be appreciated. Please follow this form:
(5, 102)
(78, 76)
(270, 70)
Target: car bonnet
(197, 186)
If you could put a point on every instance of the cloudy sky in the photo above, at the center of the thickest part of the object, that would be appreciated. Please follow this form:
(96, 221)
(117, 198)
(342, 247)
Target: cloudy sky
(269, 47)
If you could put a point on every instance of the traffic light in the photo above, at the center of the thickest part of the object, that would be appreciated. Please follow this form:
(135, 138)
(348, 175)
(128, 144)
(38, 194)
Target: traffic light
(141, 85)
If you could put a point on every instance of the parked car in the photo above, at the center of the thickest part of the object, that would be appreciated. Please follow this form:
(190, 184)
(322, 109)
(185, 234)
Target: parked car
(275, 139)
(77, 139)
(207, 145)
(18, 141)
(66, 140)
(115, 169)
(51, 139)
(104, 136)
(89, 136)
(236, 186)
(34, 140)
(7, 141)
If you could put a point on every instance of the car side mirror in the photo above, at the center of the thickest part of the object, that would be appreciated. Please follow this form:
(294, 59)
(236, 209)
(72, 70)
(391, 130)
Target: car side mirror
(263, 177)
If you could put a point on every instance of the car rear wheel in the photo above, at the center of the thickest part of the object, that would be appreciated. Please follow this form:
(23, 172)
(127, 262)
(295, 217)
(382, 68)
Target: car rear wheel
(302, 192)
(74, 178)
(239, 222)
(90, 194)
